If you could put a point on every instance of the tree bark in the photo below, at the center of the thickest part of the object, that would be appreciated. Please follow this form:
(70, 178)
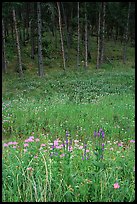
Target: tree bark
(78, 64)
(17, 44)
(4, 63)
(40, 58)
(32, 33)
(86, 39)
(103, 32)
(126, 36)
(62, 44)
(98, 41)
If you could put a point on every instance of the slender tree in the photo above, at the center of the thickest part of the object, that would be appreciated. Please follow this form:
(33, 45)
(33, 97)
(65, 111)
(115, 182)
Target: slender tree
(4, 63)
(98, 40)
(86, 39)
(40, 57)
(17, 43)
(126, 35)
(103, 32)
(61, 36)
(78, 39)
(32, 32)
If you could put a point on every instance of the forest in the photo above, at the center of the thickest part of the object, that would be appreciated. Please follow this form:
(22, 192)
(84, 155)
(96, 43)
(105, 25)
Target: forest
(68, 101)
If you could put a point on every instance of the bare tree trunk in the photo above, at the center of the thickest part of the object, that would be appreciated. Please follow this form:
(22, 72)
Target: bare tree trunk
(78, 39)
(103, 31)
(126, 36)
(17, 44)
(98, 39)
(62, 45)
(32, 33)
(65, 20)
(4, 63)
(40, 58)
(86, 39)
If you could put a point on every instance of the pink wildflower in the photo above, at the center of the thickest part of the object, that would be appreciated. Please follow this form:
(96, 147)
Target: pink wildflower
(116, 185)
(14, 147)
(80, 147)
(26, 145)
(55, 142)
(29, 168)
(132, 141)
(62, 155)
(35, 156)
(37, 139)
(43, 145)
(9, 143)
(5, 145)
(87, 150)
(120, 144)
(14, 143)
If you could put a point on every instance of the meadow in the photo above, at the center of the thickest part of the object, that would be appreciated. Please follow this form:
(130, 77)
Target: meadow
(69, 136)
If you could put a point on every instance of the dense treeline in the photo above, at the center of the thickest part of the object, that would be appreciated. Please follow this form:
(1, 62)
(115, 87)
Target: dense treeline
(73, 22)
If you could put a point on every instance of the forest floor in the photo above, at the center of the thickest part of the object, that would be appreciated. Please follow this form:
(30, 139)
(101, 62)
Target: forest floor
(81, 102)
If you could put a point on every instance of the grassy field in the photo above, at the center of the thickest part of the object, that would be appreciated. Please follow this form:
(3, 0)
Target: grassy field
(70, 135)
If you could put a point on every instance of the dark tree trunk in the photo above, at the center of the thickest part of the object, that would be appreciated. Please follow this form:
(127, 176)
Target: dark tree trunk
(4, 64)
(86, 39)
(61, 36)
(40, 58)
(98, 40)
(18, 44)
(78, 63)
(126, 36)
(32, 33)
(103, 32)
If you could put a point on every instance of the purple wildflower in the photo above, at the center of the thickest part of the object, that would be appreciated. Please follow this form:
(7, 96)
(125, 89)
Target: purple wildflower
(132, 141)
(95, 133)
(103, 134)
(120, 144)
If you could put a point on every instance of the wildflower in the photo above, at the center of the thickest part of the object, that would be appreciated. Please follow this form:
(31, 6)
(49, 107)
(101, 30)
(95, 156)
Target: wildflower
(55, 142)
(25, 150)
(26, 145)
(120, 144)
(62, 155)
(9, 143)
(14, 147)
(116, 185)
(29, 168)
(111, 148)
(36, 157)
(87, 150)
(80, 147)
(76, 141)
(70, 148)
(103, 134)
(5, 145)
(132, 141)
(43, 145)
(14, 143)
(31, 137)
(37, 139)
(95, 133)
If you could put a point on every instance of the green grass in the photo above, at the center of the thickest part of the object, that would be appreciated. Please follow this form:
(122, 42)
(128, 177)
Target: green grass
(80, 102)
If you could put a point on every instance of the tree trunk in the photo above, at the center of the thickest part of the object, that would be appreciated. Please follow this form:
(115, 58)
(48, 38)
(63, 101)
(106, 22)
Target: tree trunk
(126, 36)
(4, 63)
(98, 39)
(65, 21)
(62, 45)
(78, 64)
(86, 39)
(40, 58)
(17, 44)
(103, 32)
(32, 33)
